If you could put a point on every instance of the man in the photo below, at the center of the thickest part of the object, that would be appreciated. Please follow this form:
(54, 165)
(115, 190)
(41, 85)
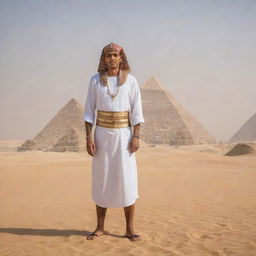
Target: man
(115, 95)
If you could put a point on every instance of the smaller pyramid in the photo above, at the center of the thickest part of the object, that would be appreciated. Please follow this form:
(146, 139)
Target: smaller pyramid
(247, 132)
(242, 149)
(74, 141)
(28, 145)
(70, 116)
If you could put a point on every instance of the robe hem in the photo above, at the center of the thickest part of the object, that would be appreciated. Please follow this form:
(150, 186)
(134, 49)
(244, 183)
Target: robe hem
(116, 206)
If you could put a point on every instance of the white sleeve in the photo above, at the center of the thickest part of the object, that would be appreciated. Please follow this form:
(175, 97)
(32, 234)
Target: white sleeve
(136, 106)
(90, 103)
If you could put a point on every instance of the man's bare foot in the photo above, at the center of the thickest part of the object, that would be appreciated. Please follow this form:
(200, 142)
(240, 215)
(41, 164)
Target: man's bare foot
(94, 234)
(133, 237)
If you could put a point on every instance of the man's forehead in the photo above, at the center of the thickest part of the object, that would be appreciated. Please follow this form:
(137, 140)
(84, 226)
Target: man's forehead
(112, 52)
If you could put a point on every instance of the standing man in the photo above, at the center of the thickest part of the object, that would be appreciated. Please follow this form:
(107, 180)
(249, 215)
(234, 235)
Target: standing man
(115, 95)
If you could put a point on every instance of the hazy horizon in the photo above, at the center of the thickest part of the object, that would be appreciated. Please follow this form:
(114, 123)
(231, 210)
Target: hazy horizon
(203, 52)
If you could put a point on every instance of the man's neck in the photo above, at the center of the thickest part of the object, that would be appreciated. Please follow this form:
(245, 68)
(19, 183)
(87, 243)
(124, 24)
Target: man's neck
(113, 72)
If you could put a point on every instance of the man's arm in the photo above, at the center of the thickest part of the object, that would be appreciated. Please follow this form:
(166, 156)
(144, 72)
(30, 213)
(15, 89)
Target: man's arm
(90, 145)
(134, 143)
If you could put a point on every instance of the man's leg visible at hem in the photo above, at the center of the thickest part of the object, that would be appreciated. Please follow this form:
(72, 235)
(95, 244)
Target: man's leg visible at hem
(101, 213)
(129, 214)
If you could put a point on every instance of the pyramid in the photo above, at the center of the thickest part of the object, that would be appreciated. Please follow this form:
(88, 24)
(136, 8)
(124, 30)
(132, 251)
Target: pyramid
(73, 140)
(247, 132)
(242, 149)
(166, 121)
(68, 117)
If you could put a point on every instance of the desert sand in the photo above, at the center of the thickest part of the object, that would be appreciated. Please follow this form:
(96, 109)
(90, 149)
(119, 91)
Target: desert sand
(194, 201)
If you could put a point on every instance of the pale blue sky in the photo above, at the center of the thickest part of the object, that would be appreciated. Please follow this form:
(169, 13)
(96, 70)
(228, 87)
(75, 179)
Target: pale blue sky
(202, 51)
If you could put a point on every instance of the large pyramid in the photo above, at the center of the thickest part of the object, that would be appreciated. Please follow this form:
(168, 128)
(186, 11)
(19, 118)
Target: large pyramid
(247, 132)
(68, 117)
(166, 121)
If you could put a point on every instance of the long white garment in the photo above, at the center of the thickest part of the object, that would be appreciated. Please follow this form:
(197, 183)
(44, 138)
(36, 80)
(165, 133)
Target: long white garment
(114, 169)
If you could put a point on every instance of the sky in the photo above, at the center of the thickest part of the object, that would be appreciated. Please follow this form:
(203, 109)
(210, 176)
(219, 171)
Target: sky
(203, 52)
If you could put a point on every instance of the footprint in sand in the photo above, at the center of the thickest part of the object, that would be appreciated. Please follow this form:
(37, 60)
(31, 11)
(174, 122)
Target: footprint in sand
(198, 236)
(199, 240)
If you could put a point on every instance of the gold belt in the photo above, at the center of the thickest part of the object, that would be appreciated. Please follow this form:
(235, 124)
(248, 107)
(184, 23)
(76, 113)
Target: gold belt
(113, 119)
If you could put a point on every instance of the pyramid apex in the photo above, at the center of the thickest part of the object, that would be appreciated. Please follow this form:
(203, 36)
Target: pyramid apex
(73, 103)
(153, 84)
(153, 78)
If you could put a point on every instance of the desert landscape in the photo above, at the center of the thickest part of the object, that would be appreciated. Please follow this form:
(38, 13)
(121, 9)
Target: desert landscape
(197, 197)
(193, 200)
(194, 65)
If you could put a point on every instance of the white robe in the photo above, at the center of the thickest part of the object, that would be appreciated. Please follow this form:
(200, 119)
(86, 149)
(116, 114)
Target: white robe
(114, 169)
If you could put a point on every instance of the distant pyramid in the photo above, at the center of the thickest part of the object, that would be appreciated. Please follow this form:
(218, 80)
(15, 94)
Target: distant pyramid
(247, 132)
(242, 149)
(73, 140)
(166, 121)
(70, 116)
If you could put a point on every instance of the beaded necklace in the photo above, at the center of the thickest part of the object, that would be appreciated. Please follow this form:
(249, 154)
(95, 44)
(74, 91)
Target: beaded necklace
(113, 95)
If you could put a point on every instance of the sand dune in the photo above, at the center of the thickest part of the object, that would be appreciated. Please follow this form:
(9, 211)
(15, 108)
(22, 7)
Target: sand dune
(193, 201)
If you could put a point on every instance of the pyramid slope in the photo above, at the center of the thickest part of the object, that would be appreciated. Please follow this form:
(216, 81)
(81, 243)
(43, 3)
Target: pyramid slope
(242, 149)
(171, 123)
(197, 131)
(70, 116)
(74, 140)
(247, 132)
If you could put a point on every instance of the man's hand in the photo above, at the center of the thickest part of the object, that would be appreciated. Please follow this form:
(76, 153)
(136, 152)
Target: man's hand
(91, 147)
(134, 144)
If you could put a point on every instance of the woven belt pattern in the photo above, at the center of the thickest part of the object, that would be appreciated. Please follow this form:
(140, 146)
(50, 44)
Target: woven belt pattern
(112, 119)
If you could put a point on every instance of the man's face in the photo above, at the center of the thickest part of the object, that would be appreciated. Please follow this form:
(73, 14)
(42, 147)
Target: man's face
(113, 59)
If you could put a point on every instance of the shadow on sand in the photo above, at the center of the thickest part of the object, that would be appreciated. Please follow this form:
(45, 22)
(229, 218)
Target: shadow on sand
(50, 232)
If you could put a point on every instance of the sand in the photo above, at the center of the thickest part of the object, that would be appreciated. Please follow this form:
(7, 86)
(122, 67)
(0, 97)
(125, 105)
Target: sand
(194, 201)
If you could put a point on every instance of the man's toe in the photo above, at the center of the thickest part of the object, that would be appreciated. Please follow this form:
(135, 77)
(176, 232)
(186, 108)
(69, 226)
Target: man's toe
(134, 237)
(91, 236)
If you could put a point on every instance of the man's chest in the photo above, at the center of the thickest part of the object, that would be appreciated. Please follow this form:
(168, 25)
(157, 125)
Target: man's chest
(114, 94)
